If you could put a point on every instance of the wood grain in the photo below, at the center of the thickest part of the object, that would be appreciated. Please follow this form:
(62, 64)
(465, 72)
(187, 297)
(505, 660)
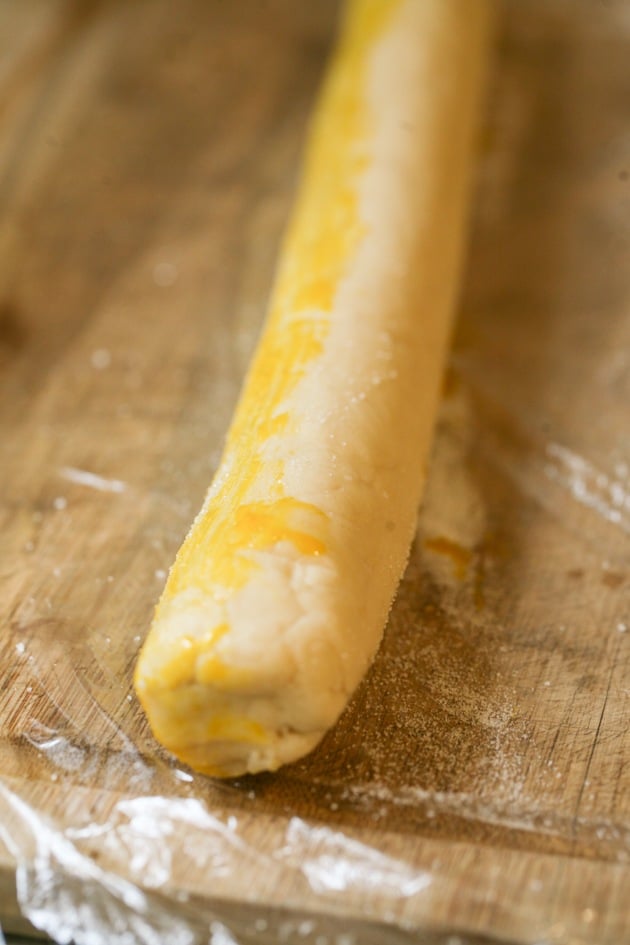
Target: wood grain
(147, 161)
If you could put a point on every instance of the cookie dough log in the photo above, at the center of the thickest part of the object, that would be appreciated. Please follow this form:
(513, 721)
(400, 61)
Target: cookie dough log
(277, 600)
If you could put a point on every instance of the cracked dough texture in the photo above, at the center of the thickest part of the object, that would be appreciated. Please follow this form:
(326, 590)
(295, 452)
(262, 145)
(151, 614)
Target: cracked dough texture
(279, 595)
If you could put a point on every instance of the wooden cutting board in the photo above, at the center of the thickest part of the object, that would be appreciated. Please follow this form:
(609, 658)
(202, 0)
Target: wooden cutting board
(478, 787)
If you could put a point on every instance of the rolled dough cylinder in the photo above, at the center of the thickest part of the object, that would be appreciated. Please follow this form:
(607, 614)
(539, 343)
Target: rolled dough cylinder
(278, 598)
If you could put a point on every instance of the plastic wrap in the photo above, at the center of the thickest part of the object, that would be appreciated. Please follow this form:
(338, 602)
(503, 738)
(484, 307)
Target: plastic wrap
(477, 787)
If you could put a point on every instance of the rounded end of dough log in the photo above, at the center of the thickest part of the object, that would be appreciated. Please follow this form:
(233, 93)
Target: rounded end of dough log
(228, 702)
(237, 744)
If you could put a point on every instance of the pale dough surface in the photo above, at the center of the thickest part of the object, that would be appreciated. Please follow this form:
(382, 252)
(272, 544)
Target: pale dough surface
(304, 626)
